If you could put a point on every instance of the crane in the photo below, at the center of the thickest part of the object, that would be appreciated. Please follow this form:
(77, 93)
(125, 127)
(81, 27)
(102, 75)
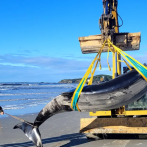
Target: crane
(130, 119)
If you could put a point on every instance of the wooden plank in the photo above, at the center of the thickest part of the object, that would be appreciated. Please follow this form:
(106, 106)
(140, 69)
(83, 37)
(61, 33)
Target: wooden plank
(114, 125)
(125, 41)
(118, 130)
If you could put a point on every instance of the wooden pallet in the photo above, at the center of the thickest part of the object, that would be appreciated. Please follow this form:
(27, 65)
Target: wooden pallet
(126, 125)
(125, 41)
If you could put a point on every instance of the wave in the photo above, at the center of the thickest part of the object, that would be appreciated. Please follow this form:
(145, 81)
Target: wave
(35, 85)
(24, 99)
(11, 94)
(27, 104)
(12, 108)
(11, 84)
(29, 97)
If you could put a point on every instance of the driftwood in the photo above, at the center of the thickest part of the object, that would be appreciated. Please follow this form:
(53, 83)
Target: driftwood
(125, 41)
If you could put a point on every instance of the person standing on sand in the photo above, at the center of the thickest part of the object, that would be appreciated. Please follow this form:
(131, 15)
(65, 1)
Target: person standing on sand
(1, 111)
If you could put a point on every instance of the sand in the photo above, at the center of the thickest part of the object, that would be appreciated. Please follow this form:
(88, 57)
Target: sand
(61, 130)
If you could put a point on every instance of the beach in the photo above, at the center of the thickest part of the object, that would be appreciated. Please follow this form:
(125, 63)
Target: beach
(25, 100)
(61, 130)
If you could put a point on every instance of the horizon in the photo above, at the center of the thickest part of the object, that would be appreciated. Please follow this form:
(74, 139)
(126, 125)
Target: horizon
(54, 82)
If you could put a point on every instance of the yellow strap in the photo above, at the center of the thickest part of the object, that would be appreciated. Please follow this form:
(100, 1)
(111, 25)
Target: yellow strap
(98, 60)
(100, 67)
(122, 52)
(120, 61)
(86, 76)
(124, 55)
(108, 61)
(91, 79)
(127, 64)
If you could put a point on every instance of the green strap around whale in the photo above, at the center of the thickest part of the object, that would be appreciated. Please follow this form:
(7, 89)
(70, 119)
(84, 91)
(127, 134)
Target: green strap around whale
(76, 97)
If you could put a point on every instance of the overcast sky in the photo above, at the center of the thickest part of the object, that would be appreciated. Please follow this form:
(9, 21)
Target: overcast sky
(39, 38)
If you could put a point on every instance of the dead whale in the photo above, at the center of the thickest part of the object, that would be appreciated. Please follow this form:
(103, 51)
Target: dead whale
(105, 96)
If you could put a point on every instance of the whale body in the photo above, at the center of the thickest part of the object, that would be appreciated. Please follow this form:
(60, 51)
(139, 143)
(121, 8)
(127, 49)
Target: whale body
(105, 96)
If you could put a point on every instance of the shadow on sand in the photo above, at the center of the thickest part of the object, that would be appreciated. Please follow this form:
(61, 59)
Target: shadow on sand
(70, 140)
(64, 141)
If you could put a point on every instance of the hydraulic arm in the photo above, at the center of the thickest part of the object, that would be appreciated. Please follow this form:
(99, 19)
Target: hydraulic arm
(108, 24)
(108, 21)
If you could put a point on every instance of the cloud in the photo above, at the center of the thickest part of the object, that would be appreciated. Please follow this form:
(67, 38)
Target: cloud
(44, 61)
(26, 52)
(52, 69)
(42, 68)
(32, 74)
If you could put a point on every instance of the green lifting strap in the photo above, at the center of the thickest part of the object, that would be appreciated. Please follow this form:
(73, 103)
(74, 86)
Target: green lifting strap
(138, 66)
(76, 97)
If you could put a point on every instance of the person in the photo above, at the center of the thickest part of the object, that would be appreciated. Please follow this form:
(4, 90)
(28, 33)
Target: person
(1, 111)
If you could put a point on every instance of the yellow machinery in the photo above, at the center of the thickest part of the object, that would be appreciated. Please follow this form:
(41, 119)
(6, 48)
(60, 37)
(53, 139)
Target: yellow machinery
(127, 119)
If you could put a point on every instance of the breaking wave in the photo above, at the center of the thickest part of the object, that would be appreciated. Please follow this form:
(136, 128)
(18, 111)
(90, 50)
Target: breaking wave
(23, 98)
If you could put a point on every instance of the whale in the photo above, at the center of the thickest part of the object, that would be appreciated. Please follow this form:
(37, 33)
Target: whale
(109, 95)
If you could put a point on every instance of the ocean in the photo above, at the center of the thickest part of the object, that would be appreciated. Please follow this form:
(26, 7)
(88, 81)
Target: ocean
(25, 97)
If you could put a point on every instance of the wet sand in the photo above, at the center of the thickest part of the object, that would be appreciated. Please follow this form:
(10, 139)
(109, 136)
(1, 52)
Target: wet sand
(61, 130)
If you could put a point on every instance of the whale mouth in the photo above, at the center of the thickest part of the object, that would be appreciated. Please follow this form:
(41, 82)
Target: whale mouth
(31, 132)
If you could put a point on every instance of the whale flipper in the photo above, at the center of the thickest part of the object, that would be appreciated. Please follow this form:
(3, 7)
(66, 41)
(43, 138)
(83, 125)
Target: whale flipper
(31, 132)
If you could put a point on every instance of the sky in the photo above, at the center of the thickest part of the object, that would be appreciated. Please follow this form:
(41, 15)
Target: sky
(39, 38)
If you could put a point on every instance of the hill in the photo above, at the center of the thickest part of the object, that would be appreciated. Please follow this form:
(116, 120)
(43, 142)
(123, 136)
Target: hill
(96, 79)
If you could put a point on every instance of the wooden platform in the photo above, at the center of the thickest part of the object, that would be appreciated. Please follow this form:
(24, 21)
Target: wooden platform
(125, 41)
(114, 125)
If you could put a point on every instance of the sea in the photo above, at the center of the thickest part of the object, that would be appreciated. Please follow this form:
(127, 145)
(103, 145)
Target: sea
(26, 97)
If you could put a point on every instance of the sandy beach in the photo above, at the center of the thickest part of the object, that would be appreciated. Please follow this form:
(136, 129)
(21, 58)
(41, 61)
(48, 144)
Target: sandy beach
(61, 130)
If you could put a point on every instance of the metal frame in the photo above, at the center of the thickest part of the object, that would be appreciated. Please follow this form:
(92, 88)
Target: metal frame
(116, 64)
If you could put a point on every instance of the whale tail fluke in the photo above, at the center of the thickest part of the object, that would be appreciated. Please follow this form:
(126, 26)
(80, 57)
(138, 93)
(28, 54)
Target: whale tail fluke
(31, 132)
